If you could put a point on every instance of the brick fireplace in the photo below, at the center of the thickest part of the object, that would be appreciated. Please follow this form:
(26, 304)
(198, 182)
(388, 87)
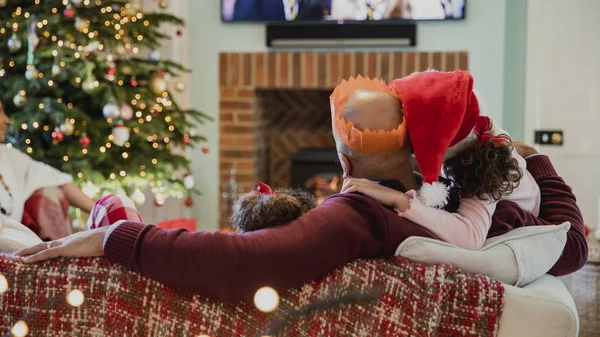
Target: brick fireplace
(275, 103)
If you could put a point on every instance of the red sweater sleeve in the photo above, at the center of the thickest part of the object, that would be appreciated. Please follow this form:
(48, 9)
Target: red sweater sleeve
(558, 205)
(231, 267)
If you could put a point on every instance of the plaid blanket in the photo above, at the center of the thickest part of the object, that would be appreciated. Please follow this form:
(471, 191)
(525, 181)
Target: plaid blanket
(391, 297)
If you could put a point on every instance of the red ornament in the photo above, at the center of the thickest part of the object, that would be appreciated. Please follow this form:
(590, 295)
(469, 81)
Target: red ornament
(58, 136)
(84, 141)
(186, 140)
(134, 82)
(179, 32)
(189, 202)
(205, 149)
(111, 71)
(69, 13)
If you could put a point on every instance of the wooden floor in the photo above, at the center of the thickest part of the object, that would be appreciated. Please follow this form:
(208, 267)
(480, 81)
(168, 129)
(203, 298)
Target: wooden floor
(584, 286)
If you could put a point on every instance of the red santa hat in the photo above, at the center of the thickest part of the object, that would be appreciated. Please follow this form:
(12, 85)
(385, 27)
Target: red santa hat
(441, 110)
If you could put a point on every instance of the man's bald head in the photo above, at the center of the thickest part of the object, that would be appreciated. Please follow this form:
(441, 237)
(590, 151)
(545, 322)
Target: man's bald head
(373, 110)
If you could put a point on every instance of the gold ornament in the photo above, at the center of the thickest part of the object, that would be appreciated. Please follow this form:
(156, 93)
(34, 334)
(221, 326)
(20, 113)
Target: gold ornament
(89, 85)
(81, 24)
(180, 86)
(67, 128)
(14, 43)
(126, 70)
(31, 73)
(120, 49)
(136, 5)
(163, 4)
(158, 85)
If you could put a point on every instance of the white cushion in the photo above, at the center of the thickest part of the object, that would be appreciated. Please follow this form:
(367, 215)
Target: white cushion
(515, 258)
(15, 236)
(543, 308)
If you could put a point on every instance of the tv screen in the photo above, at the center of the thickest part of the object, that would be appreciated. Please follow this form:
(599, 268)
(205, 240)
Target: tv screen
(341, 10)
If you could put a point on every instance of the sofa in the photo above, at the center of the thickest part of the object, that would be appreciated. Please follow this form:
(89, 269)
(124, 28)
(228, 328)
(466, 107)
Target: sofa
(387, 297)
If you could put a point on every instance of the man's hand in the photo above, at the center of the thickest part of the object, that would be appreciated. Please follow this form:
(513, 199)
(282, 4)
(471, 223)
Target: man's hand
(524, 150)
(383, 195)
(83, 244)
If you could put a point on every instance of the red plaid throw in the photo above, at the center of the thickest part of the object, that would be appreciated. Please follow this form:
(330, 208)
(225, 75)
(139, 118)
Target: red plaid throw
(417, 300)
(111, 209)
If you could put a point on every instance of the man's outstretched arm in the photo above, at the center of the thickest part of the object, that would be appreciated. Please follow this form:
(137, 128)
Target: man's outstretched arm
(231, 267)
(558, 205)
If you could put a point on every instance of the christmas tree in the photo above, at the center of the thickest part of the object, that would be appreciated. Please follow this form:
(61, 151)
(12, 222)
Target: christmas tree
(82, 98)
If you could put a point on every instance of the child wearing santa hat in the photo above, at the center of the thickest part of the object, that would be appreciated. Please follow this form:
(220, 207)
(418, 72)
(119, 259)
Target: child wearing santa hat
(446, 129)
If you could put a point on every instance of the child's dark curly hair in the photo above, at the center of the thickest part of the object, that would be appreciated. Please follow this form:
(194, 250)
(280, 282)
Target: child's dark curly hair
(254, 211)
(484, 171)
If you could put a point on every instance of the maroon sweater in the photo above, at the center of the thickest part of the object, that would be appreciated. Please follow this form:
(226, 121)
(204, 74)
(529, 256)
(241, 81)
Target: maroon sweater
(231, 267)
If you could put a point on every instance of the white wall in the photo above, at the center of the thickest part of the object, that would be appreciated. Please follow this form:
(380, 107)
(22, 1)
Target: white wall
(563, 91)
(481, 34)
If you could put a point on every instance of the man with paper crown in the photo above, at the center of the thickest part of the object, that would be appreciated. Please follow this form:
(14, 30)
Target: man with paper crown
(372, 142)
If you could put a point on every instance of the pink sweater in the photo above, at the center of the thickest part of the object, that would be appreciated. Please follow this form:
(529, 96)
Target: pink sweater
(468, 227)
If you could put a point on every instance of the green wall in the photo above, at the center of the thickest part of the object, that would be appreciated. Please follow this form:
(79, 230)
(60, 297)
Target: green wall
(514, 68)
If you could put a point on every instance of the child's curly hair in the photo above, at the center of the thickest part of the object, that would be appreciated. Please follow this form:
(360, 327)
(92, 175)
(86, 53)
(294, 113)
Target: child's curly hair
(484, 171)
(254, 211)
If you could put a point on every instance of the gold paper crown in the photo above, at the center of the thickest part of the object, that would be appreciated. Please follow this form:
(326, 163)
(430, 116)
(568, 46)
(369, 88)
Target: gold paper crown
(367, 141)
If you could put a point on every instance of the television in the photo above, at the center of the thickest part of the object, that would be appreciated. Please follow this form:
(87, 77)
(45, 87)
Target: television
(339, 11)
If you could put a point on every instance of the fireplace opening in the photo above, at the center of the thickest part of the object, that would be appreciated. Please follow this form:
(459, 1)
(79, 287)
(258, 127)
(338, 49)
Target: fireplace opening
(316, 170)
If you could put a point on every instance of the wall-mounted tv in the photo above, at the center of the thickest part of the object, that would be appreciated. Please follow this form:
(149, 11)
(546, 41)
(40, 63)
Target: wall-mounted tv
(341, 10)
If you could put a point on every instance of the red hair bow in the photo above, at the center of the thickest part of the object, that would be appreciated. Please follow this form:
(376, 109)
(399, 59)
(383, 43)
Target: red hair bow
(263, 189)
(482, 130)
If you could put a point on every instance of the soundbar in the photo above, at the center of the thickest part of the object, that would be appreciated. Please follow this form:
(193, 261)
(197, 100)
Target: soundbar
(341, 35)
